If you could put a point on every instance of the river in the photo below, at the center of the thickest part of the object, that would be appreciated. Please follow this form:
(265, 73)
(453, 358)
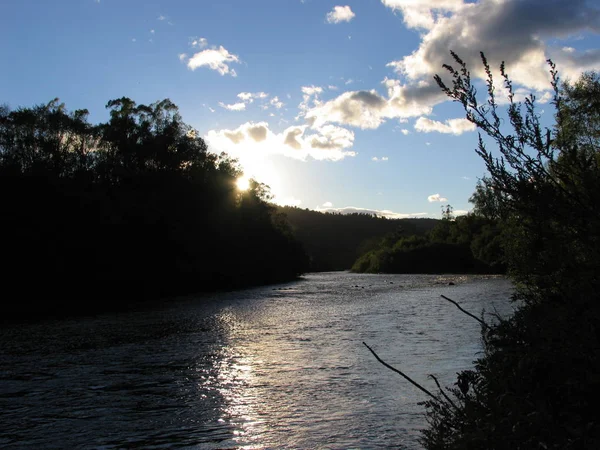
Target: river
(271, 367)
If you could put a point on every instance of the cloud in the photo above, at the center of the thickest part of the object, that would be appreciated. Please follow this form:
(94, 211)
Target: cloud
(216, 59)
(436, 198)
(327, 205)
(250, 97)
(258, 133)
(374, 212)
(309, 94)
(376, 159)
(161, 18)
(198, 42)
(369, 109)
(423, 13)
(311, 90)
(276, 103)
(329, 142)
(182, 57)
(340, 14)
(233, 107)
(451, 126)
(404, 131)
(517, 32)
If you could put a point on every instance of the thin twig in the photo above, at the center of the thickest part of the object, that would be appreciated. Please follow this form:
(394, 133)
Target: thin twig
(443, 393)
(485, 325)
(414, 383)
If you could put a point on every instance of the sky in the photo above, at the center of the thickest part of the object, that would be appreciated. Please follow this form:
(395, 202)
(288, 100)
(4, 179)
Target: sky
(330, 103)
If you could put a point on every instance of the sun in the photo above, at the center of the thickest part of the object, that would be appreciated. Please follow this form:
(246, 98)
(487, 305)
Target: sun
(243, 183)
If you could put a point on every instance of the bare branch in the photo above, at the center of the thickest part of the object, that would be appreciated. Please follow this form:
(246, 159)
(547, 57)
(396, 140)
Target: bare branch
(485, 325)
(414, 383)
(448, 399)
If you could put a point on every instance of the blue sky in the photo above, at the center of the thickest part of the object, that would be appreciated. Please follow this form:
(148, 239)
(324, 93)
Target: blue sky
(330, 103)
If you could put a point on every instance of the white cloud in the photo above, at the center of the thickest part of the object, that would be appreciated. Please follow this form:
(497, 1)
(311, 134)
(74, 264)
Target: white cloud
(423, 13)
(369, 109)
(309, 94)
(517, 32)
(216, 59)
(404, 131)
(276, 103)
(376, 159)
(249, 97)
(198, 42)
(436, 198)
(311, 90)
(340, 14)
(460, 212)
(374, 212)
(161, 18)
(451, 126)
(326, 143)
(327, 205)
(152, 31)
(233, 107)
(182, 57)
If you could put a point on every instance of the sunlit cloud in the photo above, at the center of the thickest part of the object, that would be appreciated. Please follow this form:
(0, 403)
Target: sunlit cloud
(217, 59)
(249, 97)
(327, 205)
(436, 198)
(369, 109)
(340, 14)
(329, 142)
(451, 126)
(376, 159)
(233, 107)
(276, 103)
(518, 32)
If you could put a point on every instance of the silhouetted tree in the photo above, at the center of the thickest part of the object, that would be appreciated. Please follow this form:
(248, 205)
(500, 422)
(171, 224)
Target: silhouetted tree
(534, 386)
(102, 215)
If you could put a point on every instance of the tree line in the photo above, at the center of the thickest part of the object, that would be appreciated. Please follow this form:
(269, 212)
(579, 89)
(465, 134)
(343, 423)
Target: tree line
(333, 241)
(98, 215)
(465, 244)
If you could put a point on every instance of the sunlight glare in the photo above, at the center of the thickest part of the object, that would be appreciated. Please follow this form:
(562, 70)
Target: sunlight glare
(243, 183)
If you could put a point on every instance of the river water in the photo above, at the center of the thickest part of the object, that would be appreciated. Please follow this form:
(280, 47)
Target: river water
(272, 367)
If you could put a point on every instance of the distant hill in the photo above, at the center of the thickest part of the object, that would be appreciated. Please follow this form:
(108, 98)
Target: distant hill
(334, 241)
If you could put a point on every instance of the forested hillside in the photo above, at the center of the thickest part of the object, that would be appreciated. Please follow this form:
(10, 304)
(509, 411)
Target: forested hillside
(465, 244)
(334, 241)
(95, 216)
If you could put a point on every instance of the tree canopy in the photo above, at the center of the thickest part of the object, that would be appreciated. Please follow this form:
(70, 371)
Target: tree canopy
(100, 215)
(533, 387)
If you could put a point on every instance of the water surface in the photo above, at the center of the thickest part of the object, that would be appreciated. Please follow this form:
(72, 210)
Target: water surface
(272, 367)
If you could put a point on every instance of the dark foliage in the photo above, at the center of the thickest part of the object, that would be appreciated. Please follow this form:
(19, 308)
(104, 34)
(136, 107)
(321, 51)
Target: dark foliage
(534, 387)
(97, 216)
(467, 244)
(334, 241)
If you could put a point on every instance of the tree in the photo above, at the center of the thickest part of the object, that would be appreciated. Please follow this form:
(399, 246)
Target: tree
(533, 386)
